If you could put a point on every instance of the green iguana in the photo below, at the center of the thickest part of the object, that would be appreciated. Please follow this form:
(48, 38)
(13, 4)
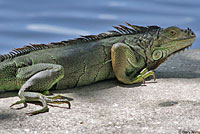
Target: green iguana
(129, 53)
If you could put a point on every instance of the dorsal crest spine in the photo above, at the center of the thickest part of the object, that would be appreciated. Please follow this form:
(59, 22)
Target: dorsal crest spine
(120, 30)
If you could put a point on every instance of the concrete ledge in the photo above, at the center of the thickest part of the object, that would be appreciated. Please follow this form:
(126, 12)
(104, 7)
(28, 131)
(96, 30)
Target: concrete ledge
(171, 105)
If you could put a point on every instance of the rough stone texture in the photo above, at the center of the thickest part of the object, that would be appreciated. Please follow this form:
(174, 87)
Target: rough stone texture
(168, 106)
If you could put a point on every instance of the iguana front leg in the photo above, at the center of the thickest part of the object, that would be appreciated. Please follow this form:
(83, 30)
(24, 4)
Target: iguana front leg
(39, 78)
(126, 64)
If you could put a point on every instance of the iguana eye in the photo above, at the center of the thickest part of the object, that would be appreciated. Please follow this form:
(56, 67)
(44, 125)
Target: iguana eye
(172, 32)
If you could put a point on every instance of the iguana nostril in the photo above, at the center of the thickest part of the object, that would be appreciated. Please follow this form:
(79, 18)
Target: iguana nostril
(192, 34)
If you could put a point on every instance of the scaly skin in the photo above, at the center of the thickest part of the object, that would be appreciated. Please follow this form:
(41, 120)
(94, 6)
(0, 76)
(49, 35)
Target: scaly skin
(126, 55)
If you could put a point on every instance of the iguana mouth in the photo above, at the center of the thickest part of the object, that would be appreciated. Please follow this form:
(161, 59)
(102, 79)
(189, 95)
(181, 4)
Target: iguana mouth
(190, 40)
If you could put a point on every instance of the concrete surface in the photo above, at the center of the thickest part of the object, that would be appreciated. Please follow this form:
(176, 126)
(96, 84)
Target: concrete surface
(169, 106)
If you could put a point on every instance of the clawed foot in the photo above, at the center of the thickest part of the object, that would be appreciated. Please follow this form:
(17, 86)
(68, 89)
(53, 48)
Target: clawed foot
(144, 74)
(59, 99)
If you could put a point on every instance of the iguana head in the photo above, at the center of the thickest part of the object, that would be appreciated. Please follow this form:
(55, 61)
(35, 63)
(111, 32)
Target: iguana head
(168, 42)
(154, 43)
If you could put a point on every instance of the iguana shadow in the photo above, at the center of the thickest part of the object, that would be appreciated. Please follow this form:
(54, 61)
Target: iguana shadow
(88, 89)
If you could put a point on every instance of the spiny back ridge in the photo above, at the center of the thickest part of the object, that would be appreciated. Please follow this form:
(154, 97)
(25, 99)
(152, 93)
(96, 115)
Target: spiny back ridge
(120, 30)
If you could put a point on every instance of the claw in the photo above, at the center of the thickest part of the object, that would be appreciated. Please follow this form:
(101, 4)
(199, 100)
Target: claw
(43, 110)
(143, 80)
(154, 77)
(19, 102)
